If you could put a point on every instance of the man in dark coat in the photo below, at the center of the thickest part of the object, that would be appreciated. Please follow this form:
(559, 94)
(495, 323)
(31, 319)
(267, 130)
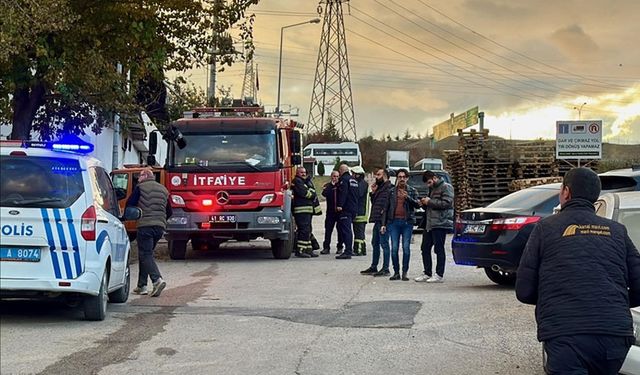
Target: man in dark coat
(347, 207)
(438, 213)
(360, 220)
(330, 191)
(582, 272)
(379, 198)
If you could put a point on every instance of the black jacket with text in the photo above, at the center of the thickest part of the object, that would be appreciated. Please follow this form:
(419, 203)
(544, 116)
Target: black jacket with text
(582, 272)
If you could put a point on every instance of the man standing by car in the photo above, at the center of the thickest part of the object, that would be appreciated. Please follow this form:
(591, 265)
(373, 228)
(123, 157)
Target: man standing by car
(303, 197)
(379, 200)
(583, 274)
(346, 206)
(399, 219)
(438, 219)
(329, 191)
(360, 221)
(153, 200)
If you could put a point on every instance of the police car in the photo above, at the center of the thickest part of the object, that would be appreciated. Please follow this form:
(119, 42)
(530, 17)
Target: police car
(61, 226)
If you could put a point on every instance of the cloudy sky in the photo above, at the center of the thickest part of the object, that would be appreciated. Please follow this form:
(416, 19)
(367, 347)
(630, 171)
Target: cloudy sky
(525, 63)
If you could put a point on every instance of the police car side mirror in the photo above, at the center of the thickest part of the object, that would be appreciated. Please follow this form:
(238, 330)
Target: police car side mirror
(121, 193)
(131, 213)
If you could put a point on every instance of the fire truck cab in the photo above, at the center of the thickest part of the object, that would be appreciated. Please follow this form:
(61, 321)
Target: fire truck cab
(228, 172)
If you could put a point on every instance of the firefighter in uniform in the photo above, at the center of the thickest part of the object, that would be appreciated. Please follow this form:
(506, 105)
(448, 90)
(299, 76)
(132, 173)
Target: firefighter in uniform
(304, 196)
(361, 218)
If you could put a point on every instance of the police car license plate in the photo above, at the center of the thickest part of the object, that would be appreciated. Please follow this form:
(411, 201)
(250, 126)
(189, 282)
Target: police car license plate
(474, 228)
(223, 218)
(19, 254)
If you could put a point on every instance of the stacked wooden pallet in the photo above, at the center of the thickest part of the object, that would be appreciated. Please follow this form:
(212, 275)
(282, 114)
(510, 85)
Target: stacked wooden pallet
(534, 159)
(488, 168)
(454, 163)
(516, 185)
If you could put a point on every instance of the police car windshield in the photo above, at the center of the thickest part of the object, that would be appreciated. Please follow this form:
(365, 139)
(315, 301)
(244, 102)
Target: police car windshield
(253, 151)
(39, 182)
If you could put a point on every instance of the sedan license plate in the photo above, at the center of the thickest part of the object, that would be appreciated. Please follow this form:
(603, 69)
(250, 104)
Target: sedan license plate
(19, 254)
(474, 228)
(223, 218)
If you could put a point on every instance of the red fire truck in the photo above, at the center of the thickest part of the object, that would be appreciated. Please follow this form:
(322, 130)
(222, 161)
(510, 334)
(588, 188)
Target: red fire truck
(228, 172)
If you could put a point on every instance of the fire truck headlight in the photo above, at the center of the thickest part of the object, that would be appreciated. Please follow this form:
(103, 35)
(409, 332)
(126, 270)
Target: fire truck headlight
(268, 220)
(177, 220)
(176, 199)
(267, 198)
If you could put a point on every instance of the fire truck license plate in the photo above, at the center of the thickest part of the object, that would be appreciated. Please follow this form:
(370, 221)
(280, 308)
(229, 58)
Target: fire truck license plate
(223, 218)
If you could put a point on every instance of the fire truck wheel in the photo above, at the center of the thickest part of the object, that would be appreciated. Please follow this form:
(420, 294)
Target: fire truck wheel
(177, 249)
(282, 249)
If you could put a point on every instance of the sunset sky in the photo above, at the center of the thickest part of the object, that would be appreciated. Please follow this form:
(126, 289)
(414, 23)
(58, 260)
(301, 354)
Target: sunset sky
(526, 64)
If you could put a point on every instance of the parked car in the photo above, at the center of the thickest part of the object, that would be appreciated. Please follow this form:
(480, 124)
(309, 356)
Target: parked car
(493, 237)
(62, 233)
(625, 208)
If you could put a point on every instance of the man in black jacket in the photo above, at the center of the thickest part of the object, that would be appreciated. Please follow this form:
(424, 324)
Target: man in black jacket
(583, 274)
(379, 198)
(330, 191)
(360, 220)
(347, 207)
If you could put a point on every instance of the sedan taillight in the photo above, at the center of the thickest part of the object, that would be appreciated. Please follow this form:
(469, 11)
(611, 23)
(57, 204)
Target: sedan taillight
(513, 223)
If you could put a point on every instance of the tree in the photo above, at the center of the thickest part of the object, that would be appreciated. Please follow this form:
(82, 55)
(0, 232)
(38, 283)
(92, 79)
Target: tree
(407, 135)
(330, 132)
(183, 96)
(321, 170)
(59, 64)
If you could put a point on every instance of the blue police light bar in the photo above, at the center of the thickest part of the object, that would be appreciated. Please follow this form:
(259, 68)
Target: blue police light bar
(68, 143)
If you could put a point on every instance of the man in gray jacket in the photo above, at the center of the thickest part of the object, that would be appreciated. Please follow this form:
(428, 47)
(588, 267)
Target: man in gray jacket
(153, 199)
(438, 208)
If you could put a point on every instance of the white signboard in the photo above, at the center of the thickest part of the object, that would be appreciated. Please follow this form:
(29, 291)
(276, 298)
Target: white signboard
(579, 139)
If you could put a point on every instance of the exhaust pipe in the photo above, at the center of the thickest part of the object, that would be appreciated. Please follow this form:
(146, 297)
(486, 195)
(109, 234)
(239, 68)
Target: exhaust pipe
(496, 268)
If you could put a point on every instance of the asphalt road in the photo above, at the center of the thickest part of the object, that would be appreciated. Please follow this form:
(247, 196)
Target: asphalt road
(238, 311)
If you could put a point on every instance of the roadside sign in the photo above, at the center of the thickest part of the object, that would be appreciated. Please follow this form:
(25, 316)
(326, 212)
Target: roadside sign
(451, 126)
(579, 139)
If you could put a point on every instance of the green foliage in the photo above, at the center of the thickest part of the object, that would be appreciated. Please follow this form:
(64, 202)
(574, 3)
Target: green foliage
(184, 96)
(321, 170)
(58, 58)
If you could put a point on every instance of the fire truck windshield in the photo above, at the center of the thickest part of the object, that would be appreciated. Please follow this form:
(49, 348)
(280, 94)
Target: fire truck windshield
(238, 151)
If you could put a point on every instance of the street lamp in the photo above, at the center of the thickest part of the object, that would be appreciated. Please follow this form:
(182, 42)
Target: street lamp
(580, 110)
(315, 20)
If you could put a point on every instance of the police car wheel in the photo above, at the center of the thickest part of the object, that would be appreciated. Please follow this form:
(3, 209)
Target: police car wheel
(122, 295)
(95, 307)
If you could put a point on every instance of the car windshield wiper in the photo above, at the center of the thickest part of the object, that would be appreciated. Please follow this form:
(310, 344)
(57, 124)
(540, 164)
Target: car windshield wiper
(31, 201)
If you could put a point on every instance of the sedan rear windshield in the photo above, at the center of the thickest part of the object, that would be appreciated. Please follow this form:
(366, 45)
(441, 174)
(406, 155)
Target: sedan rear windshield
(39, 182)
(528, 199)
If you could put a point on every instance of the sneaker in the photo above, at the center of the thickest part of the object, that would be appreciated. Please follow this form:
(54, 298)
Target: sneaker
(140, 290)
(325, 251)
(436, 279)
(300, 254)
(158, 287)
(382, 273)
(404, 277)
(422, 278)
(343, 256)
(369, 271)
(396, 276)
(312, 254)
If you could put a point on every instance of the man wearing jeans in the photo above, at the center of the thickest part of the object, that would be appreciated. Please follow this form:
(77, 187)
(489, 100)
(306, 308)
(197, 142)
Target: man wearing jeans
(438, 211)
(398, 219)
(379, 199)
(153, 200)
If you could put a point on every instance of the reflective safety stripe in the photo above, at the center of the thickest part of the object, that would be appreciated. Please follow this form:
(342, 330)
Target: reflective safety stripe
(52, 243)
(317, 210)
(358, 240)
(360, 219)
(308, 195)
(303, 210)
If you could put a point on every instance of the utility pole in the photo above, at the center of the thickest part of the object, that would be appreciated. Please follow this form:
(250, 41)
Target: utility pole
(331, 96)
(211, 88)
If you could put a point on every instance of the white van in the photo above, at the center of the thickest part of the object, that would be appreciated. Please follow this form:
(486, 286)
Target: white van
(428, 164)
(61, 226)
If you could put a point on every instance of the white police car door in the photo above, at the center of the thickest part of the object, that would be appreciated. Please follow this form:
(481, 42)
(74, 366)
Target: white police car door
(108, 225)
